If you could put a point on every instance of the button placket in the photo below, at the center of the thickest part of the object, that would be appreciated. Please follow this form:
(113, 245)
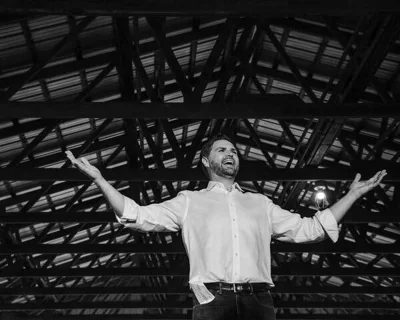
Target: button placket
(235, 231)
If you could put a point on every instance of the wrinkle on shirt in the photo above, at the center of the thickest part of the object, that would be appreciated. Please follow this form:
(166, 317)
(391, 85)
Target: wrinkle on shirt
(227, 235)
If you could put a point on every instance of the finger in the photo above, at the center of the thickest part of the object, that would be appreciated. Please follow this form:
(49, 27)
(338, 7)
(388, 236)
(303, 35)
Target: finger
(69, 154)
(381, 175)
(356, 179)
(376, 179)
(85, 161)
(373, 179)
(71, 157)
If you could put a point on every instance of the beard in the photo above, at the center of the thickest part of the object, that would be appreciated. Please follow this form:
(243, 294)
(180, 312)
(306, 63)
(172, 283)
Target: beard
(225, 171)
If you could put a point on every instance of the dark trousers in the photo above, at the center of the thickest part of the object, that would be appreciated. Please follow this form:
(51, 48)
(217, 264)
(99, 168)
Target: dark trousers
(235, 306)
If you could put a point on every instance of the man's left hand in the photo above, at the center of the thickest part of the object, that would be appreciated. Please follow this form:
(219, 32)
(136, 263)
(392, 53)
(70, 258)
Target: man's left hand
(359, 188)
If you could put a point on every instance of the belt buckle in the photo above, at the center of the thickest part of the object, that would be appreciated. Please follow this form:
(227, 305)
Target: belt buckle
(237, 287)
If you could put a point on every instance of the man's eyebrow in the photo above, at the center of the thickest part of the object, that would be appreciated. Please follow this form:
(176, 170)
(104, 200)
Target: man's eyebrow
(233, 148)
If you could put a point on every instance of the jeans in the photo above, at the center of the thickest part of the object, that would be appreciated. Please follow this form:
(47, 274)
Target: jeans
(235, 306)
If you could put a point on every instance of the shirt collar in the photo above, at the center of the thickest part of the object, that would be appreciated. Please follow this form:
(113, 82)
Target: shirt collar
(212, 184)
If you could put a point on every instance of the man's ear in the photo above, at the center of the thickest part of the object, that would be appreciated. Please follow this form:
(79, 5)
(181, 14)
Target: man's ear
(205, 162)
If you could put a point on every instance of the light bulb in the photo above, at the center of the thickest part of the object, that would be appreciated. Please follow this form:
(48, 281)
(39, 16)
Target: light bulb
(320, 195)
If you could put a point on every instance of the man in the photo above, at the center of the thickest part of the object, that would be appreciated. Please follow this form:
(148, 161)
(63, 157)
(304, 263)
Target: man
(227, 232)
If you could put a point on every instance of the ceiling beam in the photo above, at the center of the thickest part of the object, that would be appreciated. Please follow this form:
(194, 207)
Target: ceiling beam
(112, 57)
(271, 106)
(305, 316)
(250, 171)
(198, 7)
(156, 25)
(356, 215)
(104, 144)
(43, 61)
(84, 305)
(287, 270)
(326, 247)
(280, 288)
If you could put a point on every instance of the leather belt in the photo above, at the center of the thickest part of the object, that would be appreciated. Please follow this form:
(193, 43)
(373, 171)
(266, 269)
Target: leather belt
(238, 287)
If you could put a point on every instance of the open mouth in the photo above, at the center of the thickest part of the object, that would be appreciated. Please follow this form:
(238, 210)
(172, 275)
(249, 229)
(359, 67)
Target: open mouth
(228, 162)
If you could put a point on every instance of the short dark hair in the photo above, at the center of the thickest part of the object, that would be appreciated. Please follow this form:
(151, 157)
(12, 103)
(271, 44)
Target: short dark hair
(206, 150)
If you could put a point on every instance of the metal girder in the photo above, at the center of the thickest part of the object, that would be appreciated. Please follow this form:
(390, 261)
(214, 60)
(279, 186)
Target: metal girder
(82, 149)
(178, 248)
(279, 107)
(42, 162)
(295, 71)
(86, 91)
(196, 142)
(97, 146)
(314, 83)
(259, 144)
(279, 304)
(212, 60)
(285, 270)
(85, 186)
(360, 71)
(250, 171)
(123, 44)
(198, 7)
(41, 63)
(371, 49)
(50, 125)
(279, 316)
(309, 27)
(32, 48)
(166, 48)
(231, 56)
(177, 150)
(280, 287)
(111, 57)
(156, 156)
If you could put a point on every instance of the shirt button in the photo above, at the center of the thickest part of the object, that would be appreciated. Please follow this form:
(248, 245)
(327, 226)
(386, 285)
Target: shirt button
(236, 254)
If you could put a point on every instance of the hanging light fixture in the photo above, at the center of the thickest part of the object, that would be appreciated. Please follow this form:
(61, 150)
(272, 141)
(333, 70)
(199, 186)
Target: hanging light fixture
(321, 195)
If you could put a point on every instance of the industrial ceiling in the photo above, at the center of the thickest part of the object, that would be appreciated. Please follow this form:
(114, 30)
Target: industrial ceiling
(310, 90)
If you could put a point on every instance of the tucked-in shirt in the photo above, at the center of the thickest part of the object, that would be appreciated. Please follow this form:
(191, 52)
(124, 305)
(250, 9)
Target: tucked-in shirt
(227, 234)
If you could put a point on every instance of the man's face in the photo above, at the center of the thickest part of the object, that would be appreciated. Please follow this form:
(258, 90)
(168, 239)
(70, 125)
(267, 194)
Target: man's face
(223, 159)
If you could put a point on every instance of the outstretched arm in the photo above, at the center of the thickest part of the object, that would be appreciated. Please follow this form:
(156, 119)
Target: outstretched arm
(357, 189)
(112, 195)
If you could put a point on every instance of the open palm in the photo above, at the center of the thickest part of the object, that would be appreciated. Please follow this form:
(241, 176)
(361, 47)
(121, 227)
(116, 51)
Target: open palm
(84, 166)
(359, 188)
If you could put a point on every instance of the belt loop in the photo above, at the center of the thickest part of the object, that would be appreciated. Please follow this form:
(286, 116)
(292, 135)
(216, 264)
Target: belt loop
(251, 288)
(220, 288)
(234, 288)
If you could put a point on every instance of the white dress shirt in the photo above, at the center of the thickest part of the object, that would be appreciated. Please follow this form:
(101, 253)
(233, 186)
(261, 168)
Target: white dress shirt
(226, 234)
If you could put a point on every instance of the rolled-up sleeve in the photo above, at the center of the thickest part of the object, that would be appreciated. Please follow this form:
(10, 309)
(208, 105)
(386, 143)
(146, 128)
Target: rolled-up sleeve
(158, 217)
(291, 227)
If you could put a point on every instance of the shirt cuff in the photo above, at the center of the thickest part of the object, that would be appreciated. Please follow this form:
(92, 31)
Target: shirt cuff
(329, 223)
(130, 213)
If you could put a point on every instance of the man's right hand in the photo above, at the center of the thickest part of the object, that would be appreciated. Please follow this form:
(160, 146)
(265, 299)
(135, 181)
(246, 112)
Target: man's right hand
(84, 166)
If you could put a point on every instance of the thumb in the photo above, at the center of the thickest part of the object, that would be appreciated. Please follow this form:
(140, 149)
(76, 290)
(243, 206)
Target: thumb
(356, 179)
